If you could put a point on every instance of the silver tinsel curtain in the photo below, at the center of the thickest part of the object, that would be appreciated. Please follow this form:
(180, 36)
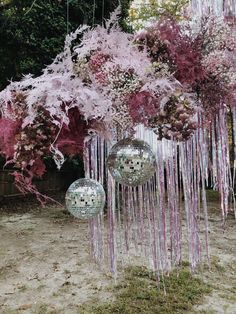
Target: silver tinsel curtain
(147, 222)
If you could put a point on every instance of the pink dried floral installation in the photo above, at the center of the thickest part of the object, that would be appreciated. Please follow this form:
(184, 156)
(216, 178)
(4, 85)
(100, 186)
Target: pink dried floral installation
(163, 77)
(177, 79)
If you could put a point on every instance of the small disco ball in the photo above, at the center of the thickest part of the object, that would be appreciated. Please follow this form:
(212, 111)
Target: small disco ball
(131, 162)
(85, 198)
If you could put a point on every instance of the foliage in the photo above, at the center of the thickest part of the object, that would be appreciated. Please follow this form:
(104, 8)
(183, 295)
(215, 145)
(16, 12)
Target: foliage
(138, 293)
(32, 32)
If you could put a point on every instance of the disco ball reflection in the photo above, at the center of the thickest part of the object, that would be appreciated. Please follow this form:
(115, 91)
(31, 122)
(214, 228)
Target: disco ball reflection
(85, 198)
(131, 162)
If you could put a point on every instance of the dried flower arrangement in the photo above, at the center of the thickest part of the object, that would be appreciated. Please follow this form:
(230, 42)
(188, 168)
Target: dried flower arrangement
(164, 77)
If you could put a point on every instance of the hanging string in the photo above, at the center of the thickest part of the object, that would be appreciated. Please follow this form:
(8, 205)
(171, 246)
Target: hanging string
(94, 9)
(103, 10)
(67, 16)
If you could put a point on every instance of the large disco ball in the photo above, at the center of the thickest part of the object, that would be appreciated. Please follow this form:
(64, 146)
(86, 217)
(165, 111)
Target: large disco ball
(85, 198)
(131, 162)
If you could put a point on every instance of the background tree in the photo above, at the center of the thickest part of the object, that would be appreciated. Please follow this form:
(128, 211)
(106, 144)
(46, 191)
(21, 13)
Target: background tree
(142, 12)
(32, 32)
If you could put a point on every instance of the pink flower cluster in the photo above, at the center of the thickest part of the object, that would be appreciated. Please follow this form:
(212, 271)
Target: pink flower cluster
(197, 59)
(142, 107)
(177, 119)
(97, 60)
(26, 147)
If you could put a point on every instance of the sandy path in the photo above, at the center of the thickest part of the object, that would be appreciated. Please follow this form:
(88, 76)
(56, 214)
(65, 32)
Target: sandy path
(222, 275)
(45, 265)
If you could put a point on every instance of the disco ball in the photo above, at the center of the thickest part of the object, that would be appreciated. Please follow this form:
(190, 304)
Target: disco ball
(131, 162)
(85, 198)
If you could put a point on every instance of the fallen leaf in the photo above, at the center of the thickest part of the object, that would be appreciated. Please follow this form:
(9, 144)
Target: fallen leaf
(24, 307)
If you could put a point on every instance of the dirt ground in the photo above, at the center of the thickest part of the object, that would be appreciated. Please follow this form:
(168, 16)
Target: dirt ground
(45, 266)
(222, 276)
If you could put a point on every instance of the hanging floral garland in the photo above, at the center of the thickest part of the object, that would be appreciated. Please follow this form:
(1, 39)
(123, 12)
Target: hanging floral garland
(162, 77)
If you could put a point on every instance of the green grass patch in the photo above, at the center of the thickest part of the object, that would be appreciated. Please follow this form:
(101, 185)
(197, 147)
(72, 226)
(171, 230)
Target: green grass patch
(138, 292)
(212, 196)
